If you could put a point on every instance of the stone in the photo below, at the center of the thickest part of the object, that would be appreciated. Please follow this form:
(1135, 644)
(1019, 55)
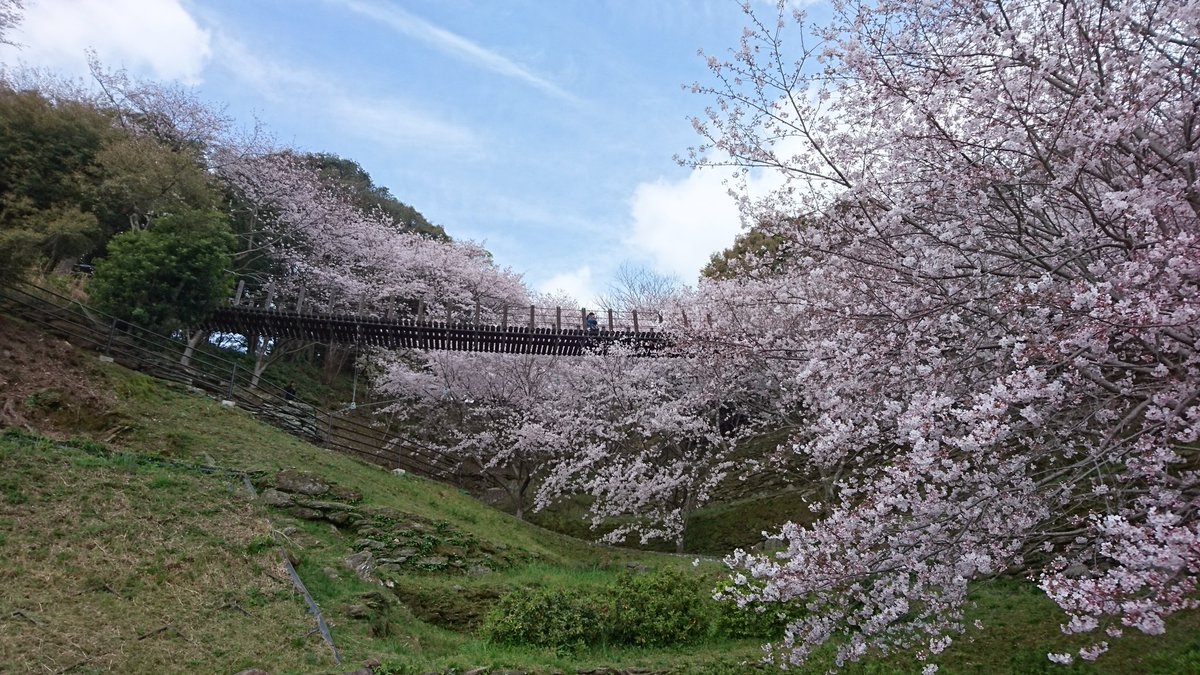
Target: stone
(358, 611)
(369, 544)
(479, 570)
(362, 563)
(273, 497)
(305, 514)
(432, 561)
(331, 573)
(398, 472)
(345, 494)
(254, 671)
(300, 482)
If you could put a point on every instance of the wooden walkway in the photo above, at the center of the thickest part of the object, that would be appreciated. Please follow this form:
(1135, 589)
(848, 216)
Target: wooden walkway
(349, 329)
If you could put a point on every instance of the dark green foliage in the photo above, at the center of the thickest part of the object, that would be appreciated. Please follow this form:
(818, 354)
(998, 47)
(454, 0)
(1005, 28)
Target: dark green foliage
(564, 620)
(659, 609)
(348, 177)
(168, 277)
(47, 179)
(754, 253)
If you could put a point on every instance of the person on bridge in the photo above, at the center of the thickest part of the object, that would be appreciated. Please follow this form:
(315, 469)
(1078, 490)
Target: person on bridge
(592, 325)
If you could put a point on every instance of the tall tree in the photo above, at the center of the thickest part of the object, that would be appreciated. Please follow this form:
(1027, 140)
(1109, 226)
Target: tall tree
(169, 277)
(990, 317)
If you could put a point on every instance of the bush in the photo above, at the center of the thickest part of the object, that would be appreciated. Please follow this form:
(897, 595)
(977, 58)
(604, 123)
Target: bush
(747, 622)
(565, 621)
(661, 608)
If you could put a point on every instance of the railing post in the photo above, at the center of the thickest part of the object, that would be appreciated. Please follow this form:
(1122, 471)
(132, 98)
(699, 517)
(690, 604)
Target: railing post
(300, 300)
(558, 318)
(108, 343)
(635, 322)
(583, 318)
(237, 299)
(420, 310)
(610, 320)
(532, 317)
(476, 310)
(232, 380)
(270, 295)
(504, 318)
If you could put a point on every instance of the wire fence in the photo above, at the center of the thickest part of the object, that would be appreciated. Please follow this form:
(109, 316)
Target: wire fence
(167, 358)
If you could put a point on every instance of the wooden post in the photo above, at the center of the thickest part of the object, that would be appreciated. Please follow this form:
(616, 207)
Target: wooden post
(420, 310)
(610, 320)
(635, 323)
(237, 299)
(476, 310)
(270, 295)
(558, 318)
(583, 318)
(300, 301)
(532, 317)
(504, 318)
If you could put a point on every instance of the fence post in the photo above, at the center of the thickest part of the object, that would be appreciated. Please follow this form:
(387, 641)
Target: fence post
(232, 380)
(558, 318)
(532, 315)
(610, 320)
(237, 299)
(108, 343)
(635, 322)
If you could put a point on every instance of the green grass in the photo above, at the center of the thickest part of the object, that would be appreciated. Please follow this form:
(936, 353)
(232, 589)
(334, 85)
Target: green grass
(122, 556)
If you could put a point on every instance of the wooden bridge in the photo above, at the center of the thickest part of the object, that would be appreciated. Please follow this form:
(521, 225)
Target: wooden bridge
(349, 329)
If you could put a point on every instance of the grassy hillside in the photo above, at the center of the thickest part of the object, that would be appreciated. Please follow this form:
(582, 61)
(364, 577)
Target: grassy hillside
(130, 542)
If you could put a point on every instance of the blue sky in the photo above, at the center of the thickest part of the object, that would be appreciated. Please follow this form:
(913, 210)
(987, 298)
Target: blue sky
(545, 128)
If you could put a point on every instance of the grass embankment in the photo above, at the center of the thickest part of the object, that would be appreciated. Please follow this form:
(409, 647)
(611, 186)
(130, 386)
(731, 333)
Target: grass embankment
(123, 556)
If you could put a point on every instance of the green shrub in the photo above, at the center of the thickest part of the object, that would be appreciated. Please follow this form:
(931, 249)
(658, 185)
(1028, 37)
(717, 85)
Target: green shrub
(748, 622)
(661, 608)
(565, 621)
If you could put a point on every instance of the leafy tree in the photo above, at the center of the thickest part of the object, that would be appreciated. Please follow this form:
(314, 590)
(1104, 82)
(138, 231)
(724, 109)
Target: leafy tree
(168, 277)
(754, 253)
(48, 178)
(348, 177)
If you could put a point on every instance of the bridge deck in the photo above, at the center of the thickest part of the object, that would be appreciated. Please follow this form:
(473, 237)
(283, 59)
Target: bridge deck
(425, 335)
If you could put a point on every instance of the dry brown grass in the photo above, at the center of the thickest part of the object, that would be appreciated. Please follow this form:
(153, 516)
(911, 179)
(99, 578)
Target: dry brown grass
(112, 565)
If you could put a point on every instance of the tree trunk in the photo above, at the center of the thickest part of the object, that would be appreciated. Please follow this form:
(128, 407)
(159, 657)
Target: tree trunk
(193, 340)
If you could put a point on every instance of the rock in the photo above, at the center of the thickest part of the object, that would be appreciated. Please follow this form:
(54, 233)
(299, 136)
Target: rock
(331, 573)
(358, 611)
(227, 403)
(373, 663)
(345, 494)
(369, 544)
(477, 671)
(305, 514)
(300, 482)
(398, 472)
(479, 570)
(432, 561)
(253, 671)
(273, 497)
(340, 517)
(362, 563)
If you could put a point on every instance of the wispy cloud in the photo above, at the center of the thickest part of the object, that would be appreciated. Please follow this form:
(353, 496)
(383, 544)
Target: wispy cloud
(381, 119)
(455, 45)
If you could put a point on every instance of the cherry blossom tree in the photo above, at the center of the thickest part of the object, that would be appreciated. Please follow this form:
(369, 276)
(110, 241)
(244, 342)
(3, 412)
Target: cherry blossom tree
(648, 438)
(10, 16)
(988, 311)
(495, 413)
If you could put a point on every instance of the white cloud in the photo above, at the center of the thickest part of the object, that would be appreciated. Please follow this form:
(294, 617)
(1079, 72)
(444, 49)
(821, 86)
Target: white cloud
(156, 38)
(678, 225)
(390, 122)
(454, 45)
(578, 284)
